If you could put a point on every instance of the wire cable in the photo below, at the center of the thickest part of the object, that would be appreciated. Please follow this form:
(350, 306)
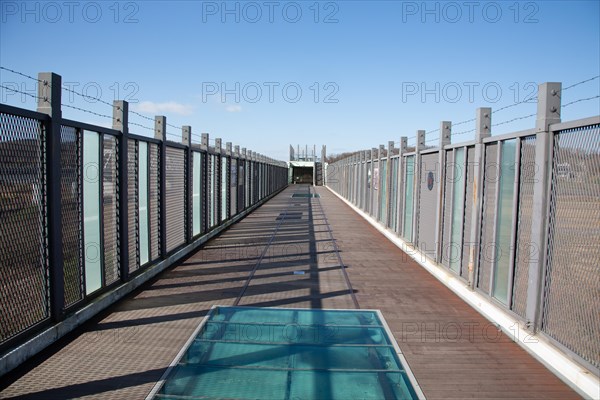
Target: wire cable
(85, 96)
(86, 111)
(25, 93)
(515, 119)
(580, 83)
(141, 115)
(141, 126)
(580, 100)
(22, 74)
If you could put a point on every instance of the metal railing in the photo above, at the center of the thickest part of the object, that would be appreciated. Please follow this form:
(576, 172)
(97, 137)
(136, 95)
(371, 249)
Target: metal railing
(85, 209)
(515, 216)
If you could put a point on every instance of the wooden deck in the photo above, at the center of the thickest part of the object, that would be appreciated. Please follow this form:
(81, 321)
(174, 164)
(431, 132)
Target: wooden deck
(453, 351)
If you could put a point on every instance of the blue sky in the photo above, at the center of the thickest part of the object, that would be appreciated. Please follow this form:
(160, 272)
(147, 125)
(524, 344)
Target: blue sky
(348, 74)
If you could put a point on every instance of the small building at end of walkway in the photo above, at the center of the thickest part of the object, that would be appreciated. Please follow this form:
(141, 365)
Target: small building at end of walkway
(305, 167)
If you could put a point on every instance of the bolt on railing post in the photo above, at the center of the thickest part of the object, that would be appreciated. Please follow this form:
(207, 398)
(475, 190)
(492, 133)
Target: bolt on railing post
(548, 112)
(49, 102)
(419, 147)
(160, 133)
(444, 140)
(186, 139)
(121, 123)
(483, 129)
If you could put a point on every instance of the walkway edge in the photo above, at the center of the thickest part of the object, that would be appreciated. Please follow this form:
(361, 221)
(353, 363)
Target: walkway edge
(573, 374)
(17, 356)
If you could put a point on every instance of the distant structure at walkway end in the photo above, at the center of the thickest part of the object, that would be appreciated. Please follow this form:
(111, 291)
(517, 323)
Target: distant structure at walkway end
(305, 166)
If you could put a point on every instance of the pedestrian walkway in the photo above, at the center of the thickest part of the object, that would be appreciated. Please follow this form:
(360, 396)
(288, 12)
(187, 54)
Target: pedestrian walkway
(304, 248)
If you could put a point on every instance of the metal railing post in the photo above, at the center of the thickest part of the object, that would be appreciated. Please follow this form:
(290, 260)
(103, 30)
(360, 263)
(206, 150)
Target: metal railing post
(388, 184)
(121, 123)
(49, 102)
(444, 140)
(219, 178)
(380, 151)
(323, 159)
(400, 186)
(246, 177)
(250, 188)
(548, 112)
(204, 184)
(372, 157)
(363, 179)
(160, 133)
(186, 139)
(355, 168)
(236, 154)
(483, 129)
(228, 153)
(420, 146)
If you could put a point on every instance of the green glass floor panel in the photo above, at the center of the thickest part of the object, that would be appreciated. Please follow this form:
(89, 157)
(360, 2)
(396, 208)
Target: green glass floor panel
(300, 316)
(350, 385)
(292, 354)
(305, 195)
(238, 354)
(206, 382)
(343, 357)
(222, 354)
(293, 333)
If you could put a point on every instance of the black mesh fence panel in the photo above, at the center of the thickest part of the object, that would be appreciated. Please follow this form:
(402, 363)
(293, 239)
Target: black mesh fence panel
(175, 197)
(467, 208)
(23, 255)
(447, 209)
(71, 211)
(110, 218)
(488, 217)
(524, 250)
(132, 204)
(154, 181)
(570, 313)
